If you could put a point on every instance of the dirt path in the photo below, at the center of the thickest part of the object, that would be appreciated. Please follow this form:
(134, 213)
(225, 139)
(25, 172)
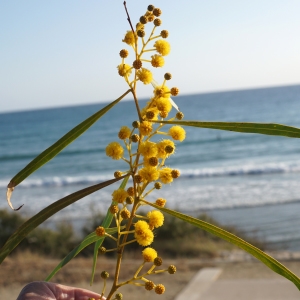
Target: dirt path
(16, 272)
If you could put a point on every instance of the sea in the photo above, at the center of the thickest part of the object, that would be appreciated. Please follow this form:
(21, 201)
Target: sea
(249, 181)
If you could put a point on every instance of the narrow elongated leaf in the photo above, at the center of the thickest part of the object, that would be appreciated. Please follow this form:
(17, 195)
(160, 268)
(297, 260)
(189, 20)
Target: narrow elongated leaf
(57, 147)
(46, 213)
(89, 239)
(261, 128)
(106, 223)
(269, 261)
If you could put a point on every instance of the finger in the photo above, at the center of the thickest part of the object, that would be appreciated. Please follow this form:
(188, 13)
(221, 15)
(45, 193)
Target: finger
(71, 293)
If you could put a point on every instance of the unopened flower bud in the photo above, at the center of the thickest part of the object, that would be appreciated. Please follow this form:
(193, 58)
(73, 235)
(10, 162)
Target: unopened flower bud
(159, 92)
(138, 178)
(140, 26)
(137, 64)
(150, 7)
(158, 261)
(174, 91)
(130, 191)
(164, 34)
(102, 250)
(163, 114)
(157, 12)
(100, 231)
(157, 185)
(143, 20)
(157, 22)
(114, 209)
(149, 285)
(153, 161)
(129, 200)
(104, 274)
(119, 296)
(175, 173)
(135, 138)
(117, 174)
(136, 124)
(172, 269)
(160, 202)
(160, 289)
(141, 33)
(150, 18)
(124, 53)
(150, 115)
(125, 214)
(179, 115)
(168, 76)
(169, 149)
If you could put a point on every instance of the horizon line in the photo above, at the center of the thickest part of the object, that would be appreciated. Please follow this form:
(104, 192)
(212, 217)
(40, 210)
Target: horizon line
(144, 99)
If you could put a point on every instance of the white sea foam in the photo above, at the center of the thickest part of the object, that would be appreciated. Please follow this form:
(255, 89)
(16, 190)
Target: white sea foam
(247, 169)
(226, 171)
(59, 181)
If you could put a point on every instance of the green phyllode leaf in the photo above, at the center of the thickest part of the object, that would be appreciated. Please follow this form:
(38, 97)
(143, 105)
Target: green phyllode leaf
(57, 147)
(106, 223)
(89, 239)
(269, 261)
(261, 128)
(46, 213)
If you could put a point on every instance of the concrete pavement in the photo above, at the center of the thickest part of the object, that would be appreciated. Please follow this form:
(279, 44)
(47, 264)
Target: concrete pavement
(207, 285)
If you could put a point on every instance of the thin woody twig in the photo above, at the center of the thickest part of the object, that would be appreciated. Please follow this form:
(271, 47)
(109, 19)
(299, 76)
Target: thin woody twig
(128, 18)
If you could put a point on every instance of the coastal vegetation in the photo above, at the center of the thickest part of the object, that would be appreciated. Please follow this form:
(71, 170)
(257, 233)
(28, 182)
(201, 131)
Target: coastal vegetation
(58, 240)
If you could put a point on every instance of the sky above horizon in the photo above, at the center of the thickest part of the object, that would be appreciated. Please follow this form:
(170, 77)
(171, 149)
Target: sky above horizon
(58, 53)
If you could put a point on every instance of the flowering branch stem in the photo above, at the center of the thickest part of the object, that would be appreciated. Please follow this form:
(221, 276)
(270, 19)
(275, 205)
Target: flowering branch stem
(139, 270)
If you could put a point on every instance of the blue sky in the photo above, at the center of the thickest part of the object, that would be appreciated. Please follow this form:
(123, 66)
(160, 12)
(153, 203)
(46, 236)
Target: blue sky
(57, 53)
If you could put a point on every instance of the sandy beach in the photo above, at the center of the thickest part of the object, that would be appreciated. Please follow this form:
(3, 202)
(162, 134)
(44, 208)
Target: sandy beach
(16, 271)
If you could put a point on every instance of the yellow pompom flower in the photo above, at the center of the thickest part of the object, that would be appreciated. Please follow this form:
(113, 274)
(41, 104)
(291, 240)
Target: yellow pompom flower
(141, 226)
(161, 146)
(149, 173)
(163, 104)
(129, 38)
(144, 75)
(119, 195)
(165, 175)
(156, 219)
(124, 70)
(157, 61)
(145, 128)
(124, 133)
(149, 254)
(114, 150)
(162, 47)
(146, 238)
(148, 149)
(177, 133)
(143, 234)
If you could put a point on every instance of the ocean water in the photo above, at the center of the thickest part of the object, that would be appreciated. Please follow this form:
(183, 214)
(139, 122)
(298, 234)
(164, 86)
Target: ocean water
(247, 180)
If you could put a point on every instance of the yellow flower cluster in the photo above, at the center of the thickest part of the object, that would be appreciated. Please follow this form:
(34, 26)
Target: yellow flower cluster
(144, 154)
(143, 234)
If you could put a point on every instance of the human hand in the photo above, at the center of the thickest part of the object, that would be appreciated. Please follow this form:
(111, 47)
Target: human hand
(41, 290)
